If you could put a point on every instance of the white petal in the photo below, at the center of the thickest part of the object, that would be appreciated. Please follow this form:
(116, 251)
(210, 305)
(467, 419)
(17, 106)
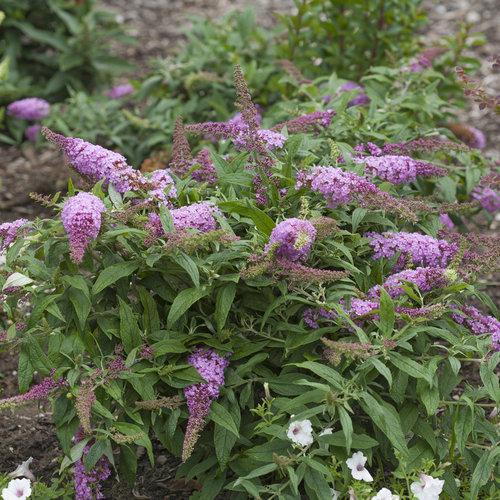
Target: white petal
(326, 432)
(362, 475)
(23, 470)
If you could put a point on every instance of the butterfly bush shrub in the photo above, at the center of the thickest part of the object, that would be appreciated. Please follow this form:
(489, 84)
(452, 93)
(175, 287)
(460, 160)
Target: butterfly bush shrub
(302, 327)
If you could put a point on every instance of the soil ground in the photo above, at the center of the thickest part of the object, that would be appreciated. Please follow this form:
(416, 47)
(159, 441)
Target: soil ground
(29, 432)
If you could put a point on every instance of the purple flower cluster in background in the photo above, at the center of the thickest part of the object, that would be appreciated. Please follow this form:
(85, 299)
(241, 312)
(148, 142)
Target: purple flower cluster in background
(119, 91)
(199, 397)
(420, 249)
(425, 278)
(31, 108)
(398, 169)
(294, 239)
(447, 222)
(479, 324)
(88, 484)
(361, 99)
(424, 59)
(487, 197)
(96, 162)
(32, 132)
(81, 218)
(9, 231)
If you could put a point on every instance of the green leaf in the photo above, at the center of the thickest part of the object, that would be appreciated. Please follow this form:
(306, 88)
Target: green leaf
(224, 440)
(259, 471)
(346, 422)
(151, 318)
(262, 221)
(490, 381)
(381, 368)
(222, 417)
(183, 302)
(17, 280)
(129, 331)
(140, 437)
(483, 470)
(386, 419)
(188, 264)
(359, 441)
(387, 316)
(410, 367)
(95, 453)
(112, 274)
(225, 298)
(325, 372)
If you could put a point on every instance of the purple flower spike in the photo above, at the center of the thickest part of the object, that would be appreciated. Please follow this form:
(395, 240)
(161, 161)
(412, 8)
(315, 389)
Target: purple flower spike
(81, 217)
(164, 186)
(425, 278)
(399, 169)
(32, 132)
(360, 100)
(479, 324)
(199, 397)
(488, 198)
(9, 231)
(420, 249)
(31, 108)
(196, 216)
(294, 237)
(97, 163)
(120, 91)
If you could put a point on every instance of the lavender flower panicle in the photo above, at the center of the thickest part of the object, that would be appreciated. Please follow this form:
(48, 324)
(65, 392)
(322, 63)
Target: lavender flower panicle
(423, 145)
(199, 397)
(298, 273)
(487, 197)
(97, 163)
(294, 238)
(88, 485)
(473, 137)
(81, 217)
(361, 99)
(478, 323)
(32, 132)
(206, 172)
(119, 91)
(163, 186)
(31, 108)
(422, 250)
(399, 169)
(425, 278)
(340, 187)
(38, 392)
(9, 231)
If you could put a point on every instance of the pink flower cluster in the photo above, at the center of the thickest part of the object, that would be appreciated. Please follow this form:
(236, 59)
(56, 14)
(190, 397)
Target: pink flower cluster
(420, 249)
(31, 108)
(96, 162)
(163, 186)
(479, 323)
(425, 278)
(399, 169)
(294, 238)
(199, 397)
(119, 91)
(38, 392)
(337, 186)
(198, 216)
(81, 218)
(9, 231)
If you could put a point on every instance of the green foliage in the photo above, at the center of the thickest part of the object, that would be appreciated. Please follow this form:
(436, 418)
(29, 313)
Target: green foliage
(53, 45)
(349, 37)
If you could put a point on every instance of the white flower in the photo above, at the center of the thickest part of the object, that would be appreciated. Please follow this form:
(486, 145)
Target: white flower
(17, 489)
(300, 432)
(385, 494)
(428, 488)
(357, 465)
(326, 432)
(335, 494)
(23, 470)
